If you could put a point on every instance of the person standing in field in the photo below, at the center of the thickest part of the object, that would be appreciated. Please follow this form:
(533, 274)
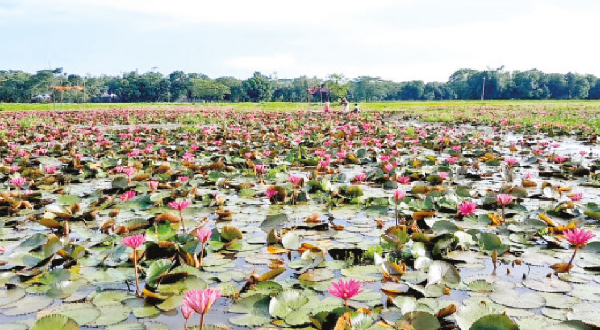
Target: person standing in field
(346, 105)
(327, 107)
(356, 108)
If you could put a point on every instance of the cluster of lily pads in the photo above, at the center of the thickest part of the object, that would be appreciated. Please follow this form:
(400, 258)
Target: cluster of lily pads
(223, 219)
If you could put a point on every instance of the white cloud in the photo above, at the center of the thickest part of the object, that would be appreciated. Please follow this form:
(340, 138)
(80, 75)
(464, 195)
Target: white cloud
(259, 12)
(394, 39)
(261, 63)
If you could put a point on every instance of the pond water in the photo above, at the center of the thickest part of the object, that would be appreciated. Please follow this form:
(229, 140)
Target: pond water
(42, 276)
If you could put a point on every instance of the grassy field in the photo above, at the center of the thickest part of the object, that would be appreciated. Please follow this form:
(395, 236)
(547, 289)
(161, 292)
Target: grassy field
(549, 105)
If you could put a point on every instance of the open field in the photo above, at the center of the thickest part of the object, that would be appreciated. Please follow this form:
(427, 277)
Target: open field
(394, 105)
(566, 113)
(109, 217)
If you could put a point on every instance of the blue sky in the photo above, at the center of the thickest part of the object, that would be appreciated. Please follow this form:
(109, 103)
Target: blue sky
(393, 39)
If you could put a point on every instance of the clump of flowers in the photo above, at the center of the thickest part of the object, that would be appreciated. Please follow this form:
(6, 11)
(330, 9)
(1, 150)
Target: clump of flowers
(200, 301)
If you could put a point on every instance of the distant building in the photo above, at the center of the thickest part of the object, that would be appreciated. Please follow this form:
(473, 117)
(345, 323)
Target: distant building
(42, 98)
(108, 98)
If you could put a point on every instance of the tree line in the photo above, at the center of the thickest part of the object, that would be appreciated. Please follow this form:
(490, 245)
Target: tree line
(178, 86)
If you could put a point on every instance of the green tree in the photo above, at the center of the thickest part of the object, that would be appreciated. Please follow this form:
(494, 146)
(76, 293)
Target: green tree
(235, 87)
(208, 90)
(412, 90)
(257, 88)
(338, 84)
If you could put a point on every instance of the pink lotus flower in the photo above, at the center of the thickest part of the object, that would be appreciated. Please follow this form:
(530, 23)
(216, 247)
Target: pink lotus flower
(345, 289)
(201, 301)
(388, 167)
(582, 153)
(134, 241)
(127, 195)
(183, 178)
(451, 160)
(266, 153)
(260, 168)
(510, 161)
(443, 175)
(467, 208)
(324, 163)
(576, 197)
(342, 154)
(560, 159)
(384, 158)
(49, 169)
(180, 205)
(504, 199)
(186, 312)
(15, 168)
(270, 193)
(2, 249)
(360, 177)
(128, 170)
(18, 182)
(398, 194)
(188, 157)
(403, 179)
(578, 237)
(203, 234)
(247, 154)
(295, 179)
(153, 185)
(456, 148)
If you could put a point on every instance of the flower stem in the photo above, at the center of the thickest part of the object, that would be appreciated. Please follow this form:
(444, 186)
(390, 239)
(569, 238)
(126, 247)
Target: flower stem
(137, 281)
(396, 213)
(201, 321)
(503, 214)
(185, 325)
(201, 254)
(572, 258)
(181, 219)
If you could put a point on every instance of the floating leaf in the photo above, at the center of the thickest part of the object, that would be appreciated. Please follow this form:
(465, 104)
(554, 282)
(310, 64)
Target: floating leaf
(55, 322)
(494, 322)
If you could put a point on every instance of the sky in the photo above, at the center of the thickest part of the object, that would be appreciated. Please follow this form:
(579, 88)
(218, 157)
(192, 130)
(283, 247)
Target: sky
(398, 40)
